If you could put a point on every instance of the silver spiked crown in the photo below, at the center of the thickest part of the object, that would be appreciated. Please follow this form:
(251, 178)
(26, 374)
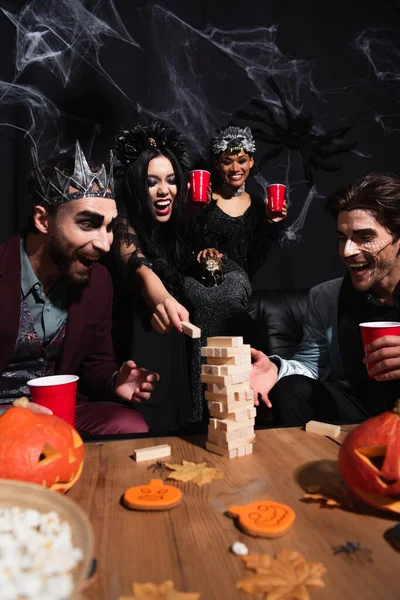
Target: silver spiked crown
(87, 183)
(234, 139)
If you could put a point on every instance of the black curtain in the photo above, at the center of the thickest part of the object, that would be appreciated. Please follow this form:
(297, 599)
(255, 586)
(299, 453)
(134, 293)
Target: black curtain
(196, 64)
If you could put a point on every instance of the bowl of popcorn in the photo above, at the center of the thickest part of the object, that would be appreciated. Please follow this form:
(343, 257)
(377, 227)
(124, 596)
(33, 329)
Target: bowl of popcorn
(46, 543)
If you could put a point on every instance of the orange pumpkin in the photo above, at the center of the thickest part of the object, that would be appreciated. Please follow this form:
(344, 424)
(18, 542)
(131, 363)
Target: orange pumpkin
(369, 460)
(41, 449)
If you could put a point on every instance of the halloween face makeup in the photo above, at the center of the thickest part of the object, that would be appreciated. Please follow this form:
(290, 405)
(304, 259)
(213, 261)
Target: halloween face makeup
(367, 248)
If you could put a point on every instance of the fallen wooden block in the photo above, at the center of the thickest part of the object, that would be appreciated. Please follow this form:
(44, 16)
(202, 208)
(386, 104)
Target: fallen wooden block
(152, 452)
(323, 428)
(191, 330)
(225, 341)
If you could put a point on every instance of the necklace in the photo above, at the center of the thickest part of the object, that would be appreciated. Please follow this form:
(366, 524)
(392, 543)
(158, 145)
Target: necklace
(231, 192)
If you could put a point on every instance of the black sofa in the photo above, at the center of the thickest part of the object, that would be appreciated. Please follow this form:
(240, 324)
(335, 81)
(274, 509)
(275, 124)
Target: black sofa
(276, 320)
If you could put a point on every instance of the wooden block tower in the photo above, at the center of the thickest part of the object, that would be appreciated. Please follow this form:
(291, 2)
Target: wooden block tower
(230, 399)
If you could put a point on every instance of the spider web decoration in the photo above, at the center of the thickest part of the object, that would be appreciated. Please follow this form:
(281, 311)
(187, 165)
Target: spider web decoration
(295, 131)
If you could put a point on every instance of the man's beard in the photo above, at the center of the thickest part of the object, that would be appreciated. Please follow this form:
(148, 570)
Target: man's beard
(64, 262)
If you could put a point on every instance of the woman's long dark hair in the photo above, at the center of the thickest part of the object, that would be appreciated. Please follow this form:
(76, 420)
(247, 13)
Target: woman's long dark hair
(161, 243)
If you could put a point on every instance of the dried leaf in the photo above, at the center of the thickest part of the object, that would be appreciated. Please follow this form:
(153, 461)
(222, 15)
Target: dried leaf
(162, 591)
(260, 563)
(287, 576)
(199, 473)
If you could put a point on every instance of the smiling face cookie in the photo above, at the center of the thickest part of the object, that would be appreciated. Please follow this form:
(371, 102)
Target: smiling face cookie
(263, 518)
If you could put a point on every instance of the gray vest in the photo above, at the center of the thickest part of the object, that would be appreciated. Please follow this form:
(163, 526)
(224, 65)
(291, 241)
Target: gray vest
(30, 358)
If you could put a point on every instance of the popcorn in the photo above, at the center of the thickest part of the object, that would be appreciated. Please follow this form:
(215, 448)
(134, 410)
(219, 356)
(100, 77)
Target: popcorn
(239, 549)
(36, 555)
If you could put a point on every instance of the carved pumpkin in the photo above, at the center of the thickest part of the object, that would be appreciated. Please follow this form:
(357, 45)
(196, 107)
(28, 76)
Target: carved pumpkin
(369, 460)
(41, 449)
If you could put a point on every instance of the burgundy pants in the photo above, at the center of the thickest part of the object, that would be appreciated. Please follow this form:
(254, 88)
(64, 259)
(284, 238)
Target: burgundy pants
(107, 418)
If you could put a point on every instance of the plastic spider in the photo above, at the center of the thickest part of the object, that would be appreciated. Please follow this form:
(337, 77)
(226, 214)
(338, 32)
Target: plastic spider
(158, 467)
(354, 549)
(298, 133)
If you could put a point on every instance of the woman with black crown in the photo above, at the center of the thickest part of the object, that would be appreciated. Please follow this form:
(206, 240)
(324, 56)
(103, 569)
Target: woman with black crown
(149, 243)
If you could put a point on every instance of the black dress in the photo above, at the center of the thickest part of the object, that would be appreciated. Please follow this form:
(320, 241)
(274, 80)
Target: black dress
(170, 405)
(245, 239)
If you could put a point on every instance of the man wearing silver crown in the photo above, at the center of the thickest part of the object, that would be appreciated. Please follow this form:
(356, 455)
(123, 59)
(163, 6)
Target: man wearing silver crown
(57, 300)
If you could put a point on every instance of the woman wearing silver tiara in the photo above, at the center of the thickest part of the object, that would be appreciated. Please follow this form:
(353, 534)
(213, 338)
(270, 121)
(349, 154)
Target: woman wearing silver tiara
(150, 193)
(237, 224)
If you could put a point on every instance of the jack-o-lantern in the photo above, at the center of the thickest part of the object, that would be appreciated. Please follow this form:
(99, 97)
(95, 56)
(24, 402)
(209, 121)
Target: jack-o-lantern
(39, 448)
(369, 460)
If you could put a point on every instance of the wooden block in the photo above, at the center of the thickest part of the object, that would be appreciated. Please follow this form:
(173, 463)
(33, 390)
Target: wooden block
(226, 369)
(190, 329)
(248, 449)
(225, 341)
(231, 445)
(237, 411)
(323, 428)
(230, 425)
(251, 412)
(225, 352)
(221, 437)
(213, 423)
(152, 452)
(238, 360)
(228, 390)
(247, 432)
(221, 451)
(241, 451)
(223, 380)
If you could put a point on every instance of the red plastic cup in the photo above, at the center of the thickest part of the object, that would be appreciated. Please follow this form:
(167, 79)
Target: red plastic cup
(276, 197)
(199, 181)
(374, 330)
(57, 392)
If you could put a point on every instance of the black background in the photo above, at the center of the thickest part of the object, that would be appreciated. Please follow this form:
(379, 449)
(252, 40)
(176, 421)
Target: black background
(91, 108)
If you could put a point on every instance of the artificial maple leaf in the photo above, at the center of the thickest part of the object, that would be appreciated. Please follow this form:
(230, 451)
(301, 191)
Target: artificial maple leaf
(162, 591)
(199, 473)
(287, 576)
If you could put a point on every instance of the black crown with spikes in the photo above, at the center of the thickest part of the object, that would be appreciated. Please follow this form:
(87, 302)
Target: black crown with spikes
(83, 179)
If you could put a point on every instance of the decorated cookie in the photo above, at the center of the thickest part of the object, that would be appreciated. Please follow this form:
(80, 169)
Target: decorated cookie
(153, 496)
(264, 518)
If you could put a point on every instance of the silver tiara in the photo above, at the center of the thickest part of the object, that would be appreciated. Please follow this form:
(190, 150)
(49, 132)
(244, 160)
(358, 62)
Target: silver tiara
(82, 179)
(234, 138)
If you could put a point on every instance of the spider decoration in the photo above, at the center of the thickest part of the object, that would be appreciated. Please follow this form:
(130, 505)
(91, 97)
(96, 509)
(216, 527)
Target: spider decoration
(297, 133)
(354, 549)
(158, 467)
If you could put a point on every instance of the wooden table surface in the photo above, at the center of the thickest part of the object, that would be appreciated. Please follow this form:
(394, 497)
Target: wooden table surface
(190, 543)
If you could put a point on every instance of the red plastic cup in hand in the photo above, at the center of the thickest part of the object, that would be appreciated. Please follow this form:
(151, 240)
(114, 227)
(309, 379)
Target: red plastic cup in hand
(57, 392)
(276, 197)
(374, 330)
(199, 181)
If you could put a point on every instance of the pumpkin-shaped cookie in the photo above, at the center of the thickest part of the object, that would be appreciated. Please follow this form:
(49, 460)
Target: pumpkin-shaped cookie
(264, 518)
(156, 495)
